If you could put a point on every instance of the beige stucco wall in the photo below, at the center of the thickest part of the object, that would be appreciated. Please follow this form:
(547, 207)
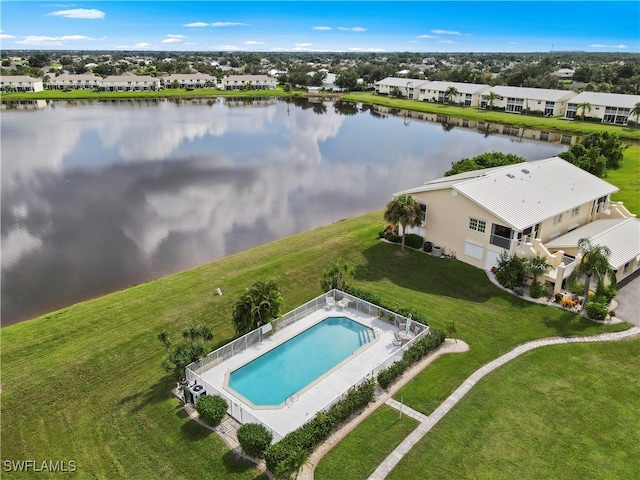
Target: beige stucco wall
(447, 224)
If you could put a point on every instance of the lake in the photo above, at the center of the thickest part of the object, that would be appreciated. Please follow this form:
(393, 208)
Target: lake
(98, 196)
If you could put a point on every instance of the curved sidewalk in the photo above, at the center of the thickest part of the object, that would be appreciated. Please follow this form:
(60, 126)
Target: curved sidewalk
(407, 444)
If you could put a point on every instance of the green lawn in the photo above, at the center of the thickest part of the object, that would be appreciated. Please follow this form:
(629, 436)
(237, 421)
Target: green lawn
(627, 179)
(85, 383)
(359, 453)
(566, 411)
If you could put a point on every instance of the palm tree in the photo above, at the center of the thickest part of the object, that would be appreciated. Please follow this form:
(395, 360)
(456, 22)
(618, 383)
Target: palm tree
(493, 96)
(405, 211)
(636, 111)
(450, 93)
(594, 261)
(584, 106)
(536, 266)
(258, 305)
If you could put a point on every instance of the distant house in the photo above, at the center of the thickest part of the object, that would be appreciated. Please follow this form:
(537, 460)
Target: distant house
(130, 83)
(85, 81)
(528, 209)
(190, 80)
(608, 107)
(405, 86)
(21, 83)
(547, 102)
(469, 94)
(252, 82)
(564, 73)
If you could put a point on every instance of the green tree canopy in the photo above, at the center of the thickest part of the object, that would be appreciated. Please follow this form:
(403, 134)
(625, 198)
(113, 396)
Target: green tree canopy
(485, 160)
(405, 211)
(258, 305)
(596, 152)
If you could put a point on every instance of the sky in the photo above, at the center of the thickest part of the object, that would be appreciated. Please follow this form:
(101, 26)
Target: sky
(307, 26)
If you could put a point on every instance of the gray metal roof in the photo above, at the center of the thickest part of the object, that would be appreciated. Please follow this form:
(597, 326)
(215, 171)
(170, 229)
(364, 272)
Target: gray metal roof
(401, 82)
(521, 199)
(621, 235)
(461, 87)
(606, 99)
(533, 93)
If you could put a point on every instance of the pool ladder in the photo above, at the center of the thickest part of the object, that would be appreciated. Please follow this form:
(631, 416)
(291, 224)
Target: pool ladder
(291, 399)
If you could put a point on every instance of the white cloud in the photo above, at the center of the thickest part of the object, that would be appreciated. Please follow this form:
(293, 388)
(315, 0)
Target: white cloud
(44, 41)
(448, 42)
(196, 24)
(302, 45)
(600, 45)
(6, 35)
(87, 13)
(450, 32)
(369, 49)
(427, 36)
(227, 24)
(171, 40)
(322, 27)
(352, 29)
(171, 35)
(253, 42)
(143, 45)
(226, 47)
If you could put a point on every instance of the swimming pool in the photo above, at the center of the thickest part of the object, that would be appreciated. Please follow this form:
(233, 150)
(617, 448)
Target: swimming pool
(290, 367)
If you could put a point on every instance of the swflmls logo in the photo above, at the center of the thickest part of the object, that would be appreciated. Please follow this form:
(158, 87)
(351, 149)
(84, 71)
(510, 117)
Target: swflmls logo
(52, 466)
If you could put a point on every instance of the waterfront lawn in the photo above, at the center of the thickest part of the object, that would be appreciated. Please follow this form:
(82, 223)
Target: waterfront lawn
(361, 451)
(85, 383)
(566, 411)
(627, 179)
(496, 116)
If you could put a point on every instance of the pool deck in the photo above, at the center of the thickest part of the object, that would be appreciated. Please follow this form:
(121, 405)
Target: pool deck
(286, 418)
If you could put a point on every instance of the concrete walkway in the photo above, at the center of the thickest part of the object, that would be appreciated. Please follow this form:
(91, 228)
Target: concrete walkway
(382, 397)
(407, 444)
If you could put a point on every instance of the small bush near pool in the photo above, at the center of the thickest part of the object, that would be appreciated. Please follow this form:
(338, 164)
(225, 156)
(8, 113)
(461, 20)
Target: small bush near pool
(211, 409)
(254, 439)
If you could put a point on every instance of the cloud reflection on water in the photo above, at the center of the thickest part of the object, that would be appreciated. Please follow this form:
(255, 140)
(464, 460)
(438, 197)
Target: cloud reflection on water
(98, 197)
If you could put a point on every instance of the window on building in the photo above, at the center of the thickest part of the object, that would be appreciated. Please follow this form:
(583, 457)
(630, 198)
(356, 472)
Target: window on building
(477, 225)
(557, 219)
(575, 212)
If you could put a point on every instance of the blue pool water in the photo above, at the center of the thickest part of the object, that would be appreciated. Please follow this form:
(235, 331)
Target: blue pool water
(288, 368)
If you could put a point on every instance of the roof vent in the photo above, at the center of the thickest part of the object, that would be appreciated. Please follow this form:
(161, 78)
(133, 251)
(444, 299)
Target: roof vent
(524, 170)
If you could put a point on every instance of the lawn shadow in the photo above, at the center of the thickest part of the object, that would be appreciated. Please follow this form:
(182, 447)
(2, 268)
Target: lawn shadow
(194, 432)
(155, 394)
(425, 273)
(236, 464)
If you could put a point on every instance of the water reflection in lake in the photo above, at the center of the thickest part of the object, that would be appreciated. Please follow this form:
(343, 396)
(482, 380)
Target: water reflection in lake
(97, 196)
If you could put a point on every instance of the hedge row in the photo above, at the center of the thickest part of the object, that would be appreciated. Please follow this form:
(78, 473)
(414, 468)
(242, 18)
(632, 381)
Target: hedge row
(411, 355)
(393, 307)
(283, 457)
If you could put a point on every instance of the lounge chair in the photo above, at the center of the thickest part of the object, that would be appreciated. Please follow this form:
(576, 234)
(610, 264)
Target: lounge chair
(344, 303)
(331, 302)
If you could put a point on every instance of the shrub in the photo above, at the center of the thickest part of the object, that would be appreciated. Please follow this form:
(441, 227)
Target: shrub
(212, 409)
(282, 457)
(254, 439)
(576, 288)
(510, 271)
(415, 352)
(608, 292)
(536, 290)
(413, 240)
(596, 310)
(568, 302)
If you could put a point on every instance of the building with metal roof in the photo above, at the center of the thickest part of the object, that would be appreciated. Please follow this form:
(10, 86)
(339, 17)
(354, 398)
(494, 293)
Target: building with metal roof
(515, 208)
(607, 107)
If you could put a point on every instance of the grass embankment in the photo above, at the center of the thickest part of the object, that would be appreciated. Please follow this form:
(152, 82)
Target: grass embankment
(567, 411)
(165, 93)
(627, 179)
(380, 433)
(556, 124)
(85, 383)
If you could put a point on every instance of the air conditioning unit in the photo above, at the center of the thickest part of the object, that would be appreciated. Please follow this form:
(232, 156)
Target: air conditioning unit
(195, 392)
